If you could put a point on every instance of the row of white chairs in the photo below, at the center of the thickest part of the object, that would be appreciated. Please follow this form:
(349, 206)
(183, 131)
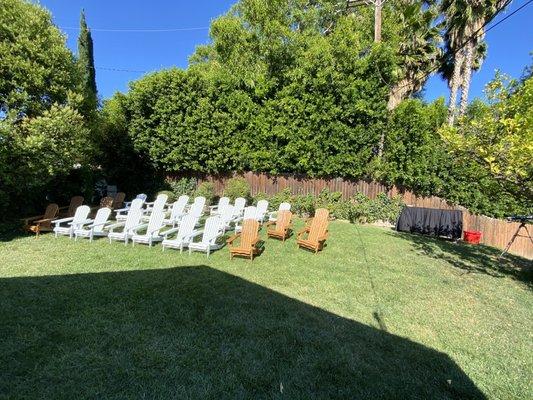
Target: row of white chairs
(143, 222)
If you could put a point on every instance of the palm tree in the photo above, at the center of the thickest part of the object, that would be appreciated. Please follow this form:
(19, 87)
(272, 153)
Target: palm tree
(464, 33)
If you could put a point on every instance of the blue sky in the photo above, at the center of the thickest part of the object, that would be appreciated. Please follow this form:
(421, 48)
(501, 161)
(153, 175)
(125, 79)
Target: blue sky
(509, 44)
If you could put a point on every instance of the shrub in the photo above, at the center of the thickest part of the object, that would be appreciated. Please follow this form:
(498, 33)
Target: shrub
(171, 195)
(303, 205)
(207, 190)
(237, 187)
(183, 186)
(285, 196)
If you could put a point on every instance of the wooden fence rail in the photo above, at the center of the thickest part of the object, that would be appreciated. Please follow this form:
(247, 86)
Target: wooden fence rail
(495, 232)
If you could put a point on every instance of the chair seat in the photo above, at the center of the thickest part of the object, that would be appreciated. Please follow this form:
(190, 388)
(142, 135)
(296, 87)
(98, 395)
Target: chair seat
(175, 244)
(118, 235)
(280, 234)
(87, 233)
(63, 230)
(146, 239)
(204, 246)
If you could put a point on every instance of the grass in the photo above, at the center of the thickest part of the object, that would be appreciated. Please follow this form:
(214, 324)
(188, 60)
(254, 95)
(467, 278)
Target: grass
(376, 315)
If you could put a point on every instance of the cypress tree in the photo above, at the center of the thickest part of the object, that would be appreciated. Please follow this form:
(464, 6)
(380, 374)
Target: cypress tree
(86, 65)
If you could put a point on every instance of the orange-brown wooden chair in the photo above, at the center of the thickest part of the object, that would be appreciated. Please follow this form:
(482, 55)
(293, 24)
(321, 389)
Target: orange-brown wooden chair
(75, 202)
(249, 240)
(282, 227)
(42, 223)
(106, 202)
(118, 201)
(313, 236)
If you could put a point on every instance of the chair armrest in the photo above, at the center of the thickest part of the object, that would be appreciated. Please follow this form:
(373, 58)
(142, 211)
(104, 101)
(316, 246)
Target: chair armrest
(117, 225)
(232, 238)
(63, 208)
(60, 221)
(95, 225)
(270, 223)
(301, 232)
(137, 227)
(196, 233)
(169, 232)
(254, 242)
(40, 221)
(34, 218)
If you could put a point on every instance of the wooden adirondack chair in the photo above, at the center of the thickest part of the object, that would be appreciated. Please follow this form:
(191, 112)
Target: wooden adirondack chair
(316, 230)
(281, 228)
(105, 202)
(248, 245)
(75, 202)
(118, 201)
(42, 223)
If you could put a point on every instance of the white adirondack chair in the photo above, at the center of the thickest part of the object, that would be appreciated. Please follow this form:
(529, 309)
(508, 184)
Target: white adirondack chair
(124, 228)
(153, 228)
(183, 233)
(200, 202)
(197, 209)
(273, 215)
(142, 196)
(262, 208)
(227, 217)
(138, 202)
(250, 212)
(94, 227)
(67, 226)
(240, 203)
(222, 202)
(177, 211)
(212, 231)
(159, 203)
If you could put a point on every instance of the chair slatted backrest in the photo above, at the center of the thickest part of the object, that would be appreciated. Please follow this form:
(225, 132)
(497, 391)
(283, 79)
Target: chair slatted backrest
(284, 207)
(226, 214)
(160, 202)
(262, 208)
(223, 202)
(250, 229)
(200, 200)
(142, 196)
(134, 214)
(186, 226)
(81, 215)
(240, 203)
(155, 223)
(212, 230)
(75, 202)
(197, 209)
(250, 212)
(101, 217)
(107, 202)
(118, 201)
(283, 221)
(50, 213)
(178, 207)
(319, 225)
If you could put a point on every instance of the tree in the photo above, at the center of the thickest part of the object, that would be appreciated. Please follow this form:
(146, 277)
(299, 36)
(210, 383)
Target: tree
(87, 70)
(499, 135)
(36, 68)
(464, 33)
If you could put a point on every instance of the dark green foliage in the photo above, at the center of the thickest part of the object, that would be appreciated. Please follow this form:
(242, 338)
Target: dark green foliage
(183, 186)
(87, 70)
(237, 187)
(207, 190)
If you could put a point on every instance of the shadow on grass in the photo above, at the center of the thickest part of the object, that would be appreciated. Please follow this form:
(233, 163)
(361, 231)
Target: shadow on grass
(196, 332)
(472, 258)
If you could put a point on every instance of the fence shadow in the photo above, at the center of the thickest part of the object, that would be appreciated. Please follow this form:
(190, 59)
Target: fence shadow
(472, 258)
(196, 332)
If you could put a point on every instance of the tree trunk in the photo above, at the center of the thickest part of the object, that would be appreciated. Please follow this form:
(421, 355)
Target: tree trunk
(454, 86)
(378, 5)
(467, 76)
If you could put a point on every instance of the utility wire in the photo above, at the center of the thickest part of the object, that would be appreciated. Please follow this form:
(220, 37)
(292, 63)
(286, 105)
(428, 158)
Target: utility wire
(474, 36)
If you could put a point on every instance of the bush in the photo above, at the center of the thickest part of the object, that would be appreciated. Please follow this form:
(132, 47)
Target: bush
(207, 190)
(303, 205)
(183, 186)
(171, 196)
(237, 187)
(285, 196)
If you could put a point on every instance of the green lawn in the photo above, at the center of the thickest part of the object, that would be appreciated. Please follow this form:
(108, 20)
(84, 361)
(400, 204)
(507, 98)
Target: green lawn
(376, 315)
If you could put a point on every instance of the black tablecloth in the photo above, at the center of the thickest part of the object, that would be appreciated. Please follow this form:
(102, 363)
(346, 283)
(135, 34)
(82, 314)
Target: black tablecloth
(431, 221)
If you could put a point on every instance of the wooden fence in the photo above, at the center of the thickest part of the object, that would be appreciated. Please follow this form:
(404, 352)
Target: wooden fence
(495, 232)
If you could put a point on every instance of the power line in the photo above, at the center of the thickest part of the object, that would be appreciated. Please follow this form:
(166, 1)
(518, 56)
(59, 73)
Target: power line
(474, 36)
(199, 28)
